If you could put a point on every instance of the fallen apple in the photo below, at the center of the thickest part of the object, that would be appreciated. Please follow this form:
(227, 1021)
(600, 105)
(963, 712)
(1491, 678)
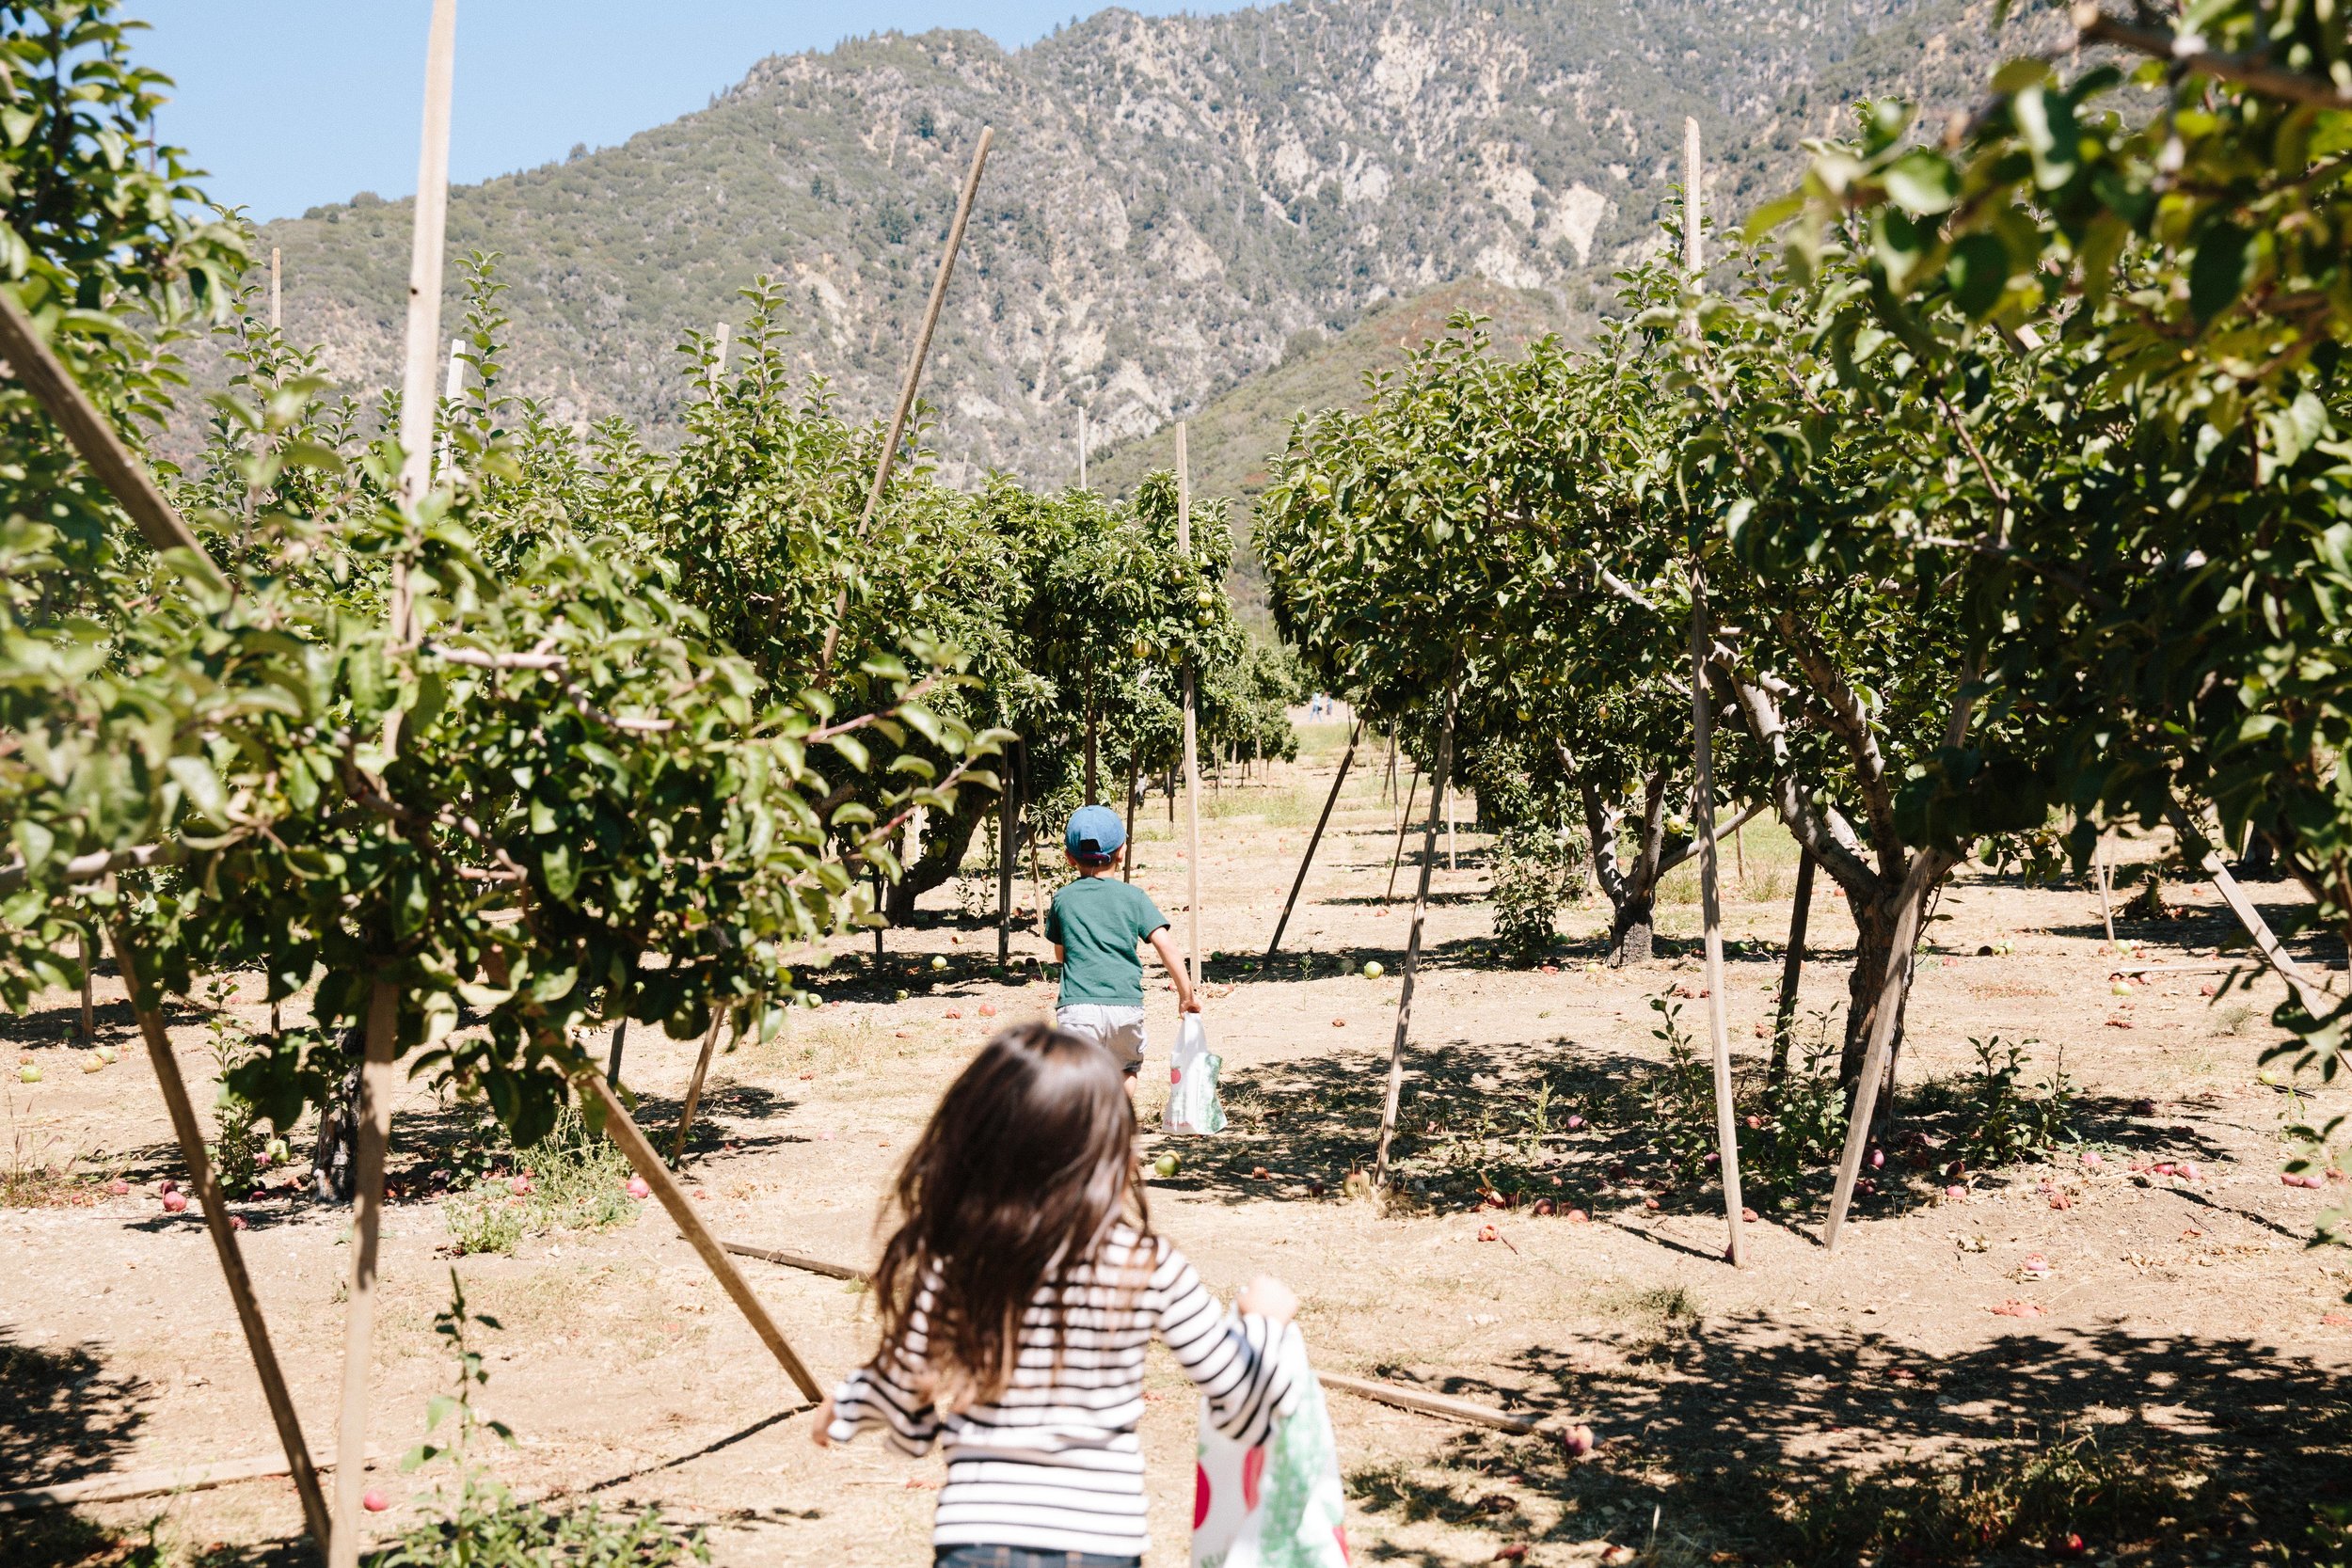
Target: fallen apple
(236, 1222)
(1578, 1216)
(1578, 1440)
(638, 1188)
(29, 1073)
(277, 1150)
(939, 960)
(118, 1187)
(167, 1185)
(1373, 969)
(988, 1009)
(520, 1186)
(1955, 1192)
(1167, 1165)
(1574, 1124)
(375, 1502)
(175, 1203)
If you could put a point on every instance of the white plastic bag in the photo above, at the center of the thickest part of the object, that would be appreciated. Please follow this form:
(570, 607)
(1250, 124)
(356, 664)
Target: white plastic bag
(1279, 1505)
(1192, 1071)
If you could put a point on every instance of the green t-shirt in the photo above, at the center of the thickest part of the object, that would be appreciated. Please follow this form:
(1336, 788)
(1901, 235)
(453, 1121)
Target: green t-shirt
(1099, 922)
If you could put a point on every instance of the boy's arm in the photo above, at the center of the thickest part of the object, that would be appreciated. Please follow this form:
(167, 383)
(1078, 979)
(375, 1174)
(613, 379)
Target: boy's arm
(1164, 943)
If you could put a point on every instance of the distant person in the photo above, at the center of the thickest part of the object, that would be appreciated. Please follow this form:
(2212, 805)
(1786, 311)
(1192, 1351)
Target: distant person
(1017, 1297)
(1096, 926)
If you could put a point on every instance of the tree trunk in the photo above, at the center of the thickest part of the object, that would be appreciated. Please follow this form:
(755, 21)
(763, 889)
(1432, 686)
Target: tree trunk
(335, 1153)
(1632, 933)
(1874, 928)
(945, 841)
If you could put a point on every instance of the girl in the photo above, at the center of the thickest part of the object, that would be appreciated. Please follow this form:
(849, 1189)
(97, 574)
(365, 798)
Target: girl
(1016, 1297)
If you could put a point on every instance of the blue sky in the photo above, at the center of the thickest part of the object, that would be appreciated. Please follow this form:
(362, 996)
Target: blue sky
(293, 103)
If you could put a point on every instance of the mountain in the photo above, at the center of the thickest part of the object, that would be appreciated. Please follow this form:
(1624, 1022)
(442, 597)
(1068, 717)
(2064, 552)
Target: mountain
(1228, 439)
(1174, 205)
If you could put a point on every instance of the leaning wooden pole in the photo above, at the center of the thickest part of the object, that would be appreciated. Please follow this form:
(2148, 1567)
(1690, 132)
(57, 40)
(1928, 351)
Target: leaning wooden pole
(1703, 772)
(1412, 946)
(1911, 902)
(694, 1089)
(215, 1211)
(908, 388)
(625, 1132)
(94, 437)
(2315, 994)
(1315, 838)
(1128, 861)
(1192, 743)
(1397, 856)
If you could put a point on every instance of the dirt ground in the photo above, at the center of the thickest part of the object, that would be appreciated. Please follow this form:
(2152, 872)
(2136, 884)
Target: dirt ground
(2170, 1387)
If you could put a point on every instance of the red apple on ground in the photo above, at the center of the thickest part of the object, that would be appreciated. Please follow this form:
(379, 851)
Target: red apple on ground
(175, 1202)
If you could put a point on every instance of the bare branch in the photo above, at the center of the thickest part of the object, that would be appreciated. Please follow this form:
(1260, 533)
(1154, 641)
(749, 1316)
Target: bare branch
(98, 863)
(2254, 72)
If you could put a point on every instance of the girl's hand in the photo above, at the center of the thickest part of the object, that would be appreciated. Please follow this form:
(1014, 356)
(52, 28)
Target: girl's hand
(1269, 1298)
(822, 1435)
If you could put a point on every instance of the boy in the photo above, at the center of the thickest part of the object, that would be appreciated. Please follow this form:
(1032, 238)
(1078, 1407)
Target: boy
(1095, 924)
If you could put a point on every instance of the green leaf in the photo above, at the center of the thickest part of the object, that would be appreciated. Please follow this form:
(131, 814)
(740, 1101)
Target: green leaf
(1922, 181)
(1977, 273)
(2221, 268)
(194, 775)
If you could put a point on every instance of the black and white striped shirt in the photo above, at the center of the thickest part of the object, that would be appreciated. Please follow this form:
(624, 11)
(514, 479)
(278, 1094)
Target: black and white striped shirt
(1053, 1462)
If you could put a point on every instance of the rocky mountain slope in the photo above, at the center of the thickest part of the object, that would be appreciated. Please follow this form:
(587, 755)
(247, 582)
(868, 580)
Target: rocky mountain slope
(1172, 203)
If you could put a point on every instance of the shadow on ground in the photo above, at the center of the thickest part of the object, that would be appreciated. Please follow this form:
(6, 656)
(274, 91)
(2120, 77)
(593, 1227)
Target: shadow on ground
(1750, 1446)
(64, 1416)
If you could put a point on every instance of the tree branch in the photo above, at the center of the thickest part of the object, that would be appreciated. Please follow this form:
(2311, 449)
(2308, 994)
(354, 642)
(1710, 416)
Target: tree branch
(2254, 72)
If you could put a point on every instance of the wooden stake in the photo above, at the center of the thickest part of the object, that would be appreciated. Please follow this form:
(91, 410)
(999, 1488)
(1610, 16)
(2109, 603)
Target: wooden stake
(1315, 838)
(1424, 1403)
(93, 437)
(907, 388)
(1127, 862)
(1008, 820)
(428, 241)
(1416, 1400)
(1710, 906)
(612, 1055)
(276, 306)
(694, 1089)
(1405, 820)
(1412, 944)
(373, 1113)
(2319, 999)
(152, 1483)
(89, 1005)
(224, 1247)
(1452, 844)
(2099, 875)
(625, 1133)
(1703, 793)
(1192, 751)
(1911, 902)
(453, 388)
(794, 1260)
(1791, 967)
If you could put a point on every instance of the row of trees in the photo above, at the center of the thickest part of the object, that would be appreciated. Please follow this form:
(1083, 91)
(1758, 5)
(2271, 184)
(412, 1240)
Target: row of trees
(2014, 468)
(556, 742)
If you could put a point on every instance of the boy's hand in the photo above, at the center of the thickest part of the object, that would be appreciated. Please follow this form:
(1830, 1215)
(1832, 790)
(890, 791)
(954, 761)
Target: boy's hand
(1269, 1298)
(822, 1435)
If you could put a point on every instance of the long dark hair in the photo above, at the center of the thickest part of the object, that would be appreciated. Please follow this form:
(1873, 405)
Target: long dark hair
(1026, 1165)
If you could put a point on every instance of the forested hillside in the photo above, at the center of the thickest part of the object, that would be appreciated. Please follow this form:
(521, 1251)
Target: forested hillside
(1171, 203)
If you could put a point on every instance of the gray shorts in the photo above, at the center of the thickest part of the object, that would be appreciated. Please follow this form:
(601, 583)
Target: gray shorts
(1117, 1030)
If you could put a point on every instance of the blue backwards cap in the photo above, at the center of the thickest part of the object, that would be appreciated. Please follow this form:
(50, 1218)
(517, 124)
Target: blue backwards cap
(1095, 833)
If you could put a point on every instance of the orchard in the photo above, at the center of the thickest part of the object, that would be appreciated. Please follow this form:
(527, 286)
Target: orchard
(1793, 1015)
